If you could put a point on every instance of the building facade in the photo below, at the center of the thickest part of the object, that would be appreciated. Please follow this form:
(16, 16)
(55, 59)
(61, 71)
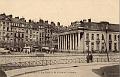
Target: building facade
(16, 33)
(90, 36)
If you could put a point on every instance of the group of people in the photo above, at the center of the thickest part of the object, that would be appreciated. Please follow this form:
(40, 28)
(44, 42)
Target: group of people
(89, 58)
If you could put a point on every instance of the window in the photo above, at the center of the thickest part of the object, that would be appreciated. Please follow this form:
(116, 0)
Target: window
(87, 36)
(3, 22)
(26, 31)
(40, 34)
(15, 34)
(118, 37)
(40, 39)
(11, 29)
(92, 43)
(115, 37)
(102, 48)
(110, 37)
(92, 46)
(30, 36)
(3, 28)
(18, 34)
(30, 31)
(22, 35)
(110, 46)
(102, 37)
(97, 36)
(7, 28)
(115, 46)
(33, 36)
(92, 37)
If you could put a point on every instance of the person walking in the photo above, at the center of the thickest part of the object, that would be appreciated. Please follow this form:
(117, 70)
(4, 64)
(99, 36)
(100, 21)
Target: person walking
(87, 57)
(91, 57)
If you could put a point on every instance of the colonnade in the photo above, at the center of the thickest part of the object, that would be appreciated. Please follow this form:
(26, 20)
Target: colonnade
(69, 42)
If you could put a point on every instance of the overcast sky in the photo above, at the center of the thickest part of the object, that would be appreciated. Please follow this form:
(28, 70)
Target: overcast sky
(64, 11)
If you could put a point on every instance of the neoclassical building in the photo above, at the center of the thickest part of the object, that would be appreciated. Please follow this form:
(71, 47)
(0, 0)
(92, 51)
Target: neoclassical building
(84, 36)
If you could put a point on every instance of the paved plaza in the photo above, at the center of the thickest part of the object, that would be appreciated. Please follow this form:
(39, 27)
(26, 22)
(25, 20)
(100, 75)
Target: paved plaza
(49, 65)
(61, 70)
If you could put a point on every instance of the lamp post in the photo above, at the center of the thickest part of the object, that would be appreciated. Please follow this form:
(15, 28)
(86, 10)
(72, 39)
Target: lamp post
(87, 43)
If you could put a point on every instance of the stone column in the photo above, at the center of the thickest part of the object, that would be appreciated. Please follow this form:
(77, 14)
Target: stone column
(70, 42)
(58, 42)
(66, 42)
(62, 42)
(73, 41)
(79, 41)
(76, 41)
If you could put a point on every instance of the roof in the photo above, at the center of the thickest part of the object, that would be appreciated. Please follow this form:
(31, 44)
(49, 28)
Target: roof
(101, 26)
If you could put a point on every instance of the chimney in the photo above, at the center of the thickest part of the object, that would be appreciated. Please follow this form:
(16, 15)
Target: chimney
(81, 22)
(30, 20)
(41, 21)
(52, 23)
(58, 23)
(22, 19)
(89, 20)
(10, 16)
(3, 14)
(84, 20)
(17, 17)
(46, 22)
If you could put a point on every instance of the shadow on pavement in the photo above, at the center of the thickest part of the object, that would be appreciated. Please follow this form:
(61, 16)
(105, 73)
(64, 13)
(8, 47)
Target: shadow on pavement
(108, 71)
(2, 73)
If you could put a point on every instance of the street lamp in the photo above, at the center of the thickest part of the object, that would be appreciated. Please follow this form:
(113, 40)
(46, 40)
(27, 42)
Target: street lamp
(87, 43)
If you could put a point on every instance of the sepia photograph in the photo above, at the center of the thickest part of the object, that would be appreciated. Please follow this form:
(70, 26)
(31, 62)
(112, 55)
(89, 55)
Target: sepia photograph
(59, 38)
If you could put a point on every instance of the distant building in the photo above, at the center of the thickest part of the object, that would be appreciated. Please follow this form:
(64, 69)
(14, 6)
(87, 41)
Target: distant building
(16, 33)
(12, 32)
(90, 36)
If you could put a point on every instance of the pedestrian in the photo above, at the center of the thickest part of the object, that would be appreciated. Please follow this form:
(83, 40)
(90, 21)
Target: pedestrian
(87, 58)
(91, 57)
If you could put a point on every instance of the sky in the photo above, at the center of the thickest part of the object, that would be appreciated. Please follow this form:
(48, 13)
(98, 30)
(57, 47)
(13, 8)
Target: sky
(63, 11)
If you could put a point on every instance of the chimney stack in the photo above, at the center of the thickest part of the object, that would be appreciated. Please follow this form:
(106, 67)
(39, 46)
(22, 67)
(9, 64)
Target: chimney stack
(58, 23)
(10, 16)
(22, 19)
(30, 21)
(41, 21)
(46, 22)
(17, 17)
(89, 20)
